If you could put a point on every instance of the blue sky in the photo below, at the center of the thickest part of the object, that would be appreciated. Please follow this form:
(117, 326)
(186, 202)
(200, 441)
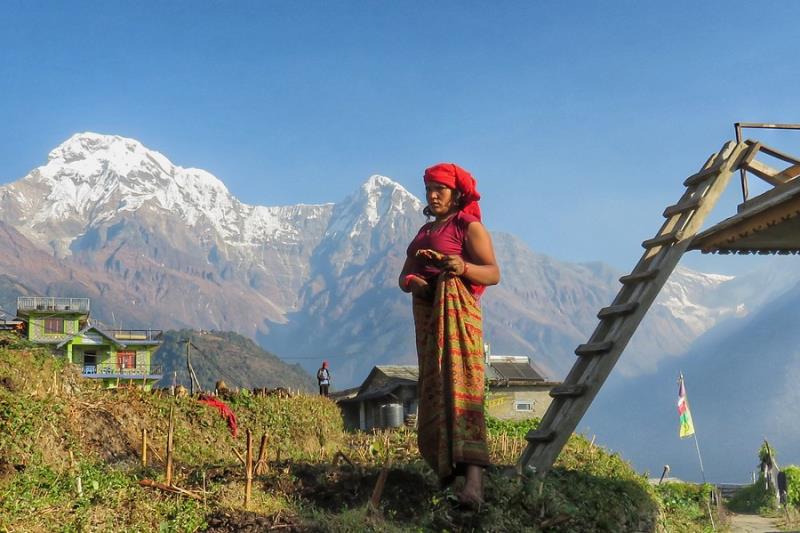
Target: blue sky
(579, 119)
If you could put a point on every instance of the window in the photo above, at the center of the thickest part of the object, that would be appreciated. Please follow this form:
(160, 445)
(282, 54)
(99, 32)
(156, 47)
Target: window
(126, 360)
(523, 405)
(54, 325)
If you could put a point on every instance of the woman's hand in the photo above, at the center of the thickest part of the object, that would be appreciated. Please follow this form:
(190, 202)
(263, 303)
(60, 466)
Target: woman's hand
(419, 287)
(453, 265)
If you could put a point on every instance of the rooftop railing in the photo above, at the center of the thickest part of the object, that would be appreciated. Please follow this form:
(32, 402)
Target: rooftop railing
(135, 334)
(44, 303)
(112, 370)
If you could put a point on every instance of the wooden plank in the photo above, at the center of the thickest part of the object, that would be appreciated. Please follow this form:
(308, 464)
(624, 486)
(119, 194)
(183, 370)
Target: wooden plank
(662, 240)
(638, 277)
(616, 310)
(779, 155)
(789, 174)
(682, 207)
(701, 176)
(568, 391)
(765, 172)
(594, 348)
(752, 152)
(540, 435)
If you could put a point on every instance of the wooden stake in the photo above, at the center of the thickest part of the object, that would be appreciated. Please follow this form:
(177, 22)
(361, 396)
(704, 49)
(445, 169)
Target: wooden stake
(204, 487)
(152, 450)
(169, 488)
(144, 447)
(261, 463)
(239, 455)
(377, 492)
(248, 470)
(170, 431)
(343, 457)
(78, 482)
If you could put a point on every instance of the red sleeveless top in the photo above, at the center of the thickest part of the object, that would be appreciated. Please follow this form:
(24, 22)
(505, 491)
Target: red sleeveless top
(448, 239)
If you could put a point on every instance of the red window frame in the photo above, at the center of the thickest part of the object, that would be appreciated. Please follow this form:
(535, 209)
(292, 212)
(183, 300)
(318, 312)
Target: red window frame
(126, 360)
(54, 325)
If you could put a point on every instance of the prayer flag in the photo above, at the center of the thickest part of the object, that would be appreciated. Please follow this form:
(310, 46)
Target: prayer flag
(687, 427)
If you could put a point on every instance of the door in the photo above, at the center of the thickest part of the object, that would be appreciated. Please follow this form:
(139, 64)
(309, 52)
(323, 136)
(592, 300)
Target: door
(90, 362)
(126, 360)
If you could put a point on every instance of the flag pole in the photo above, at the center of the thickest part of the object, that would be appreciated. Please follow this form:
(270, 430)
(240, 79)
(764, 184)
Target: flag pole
(694, 431)
(685, 397)
(696, 445)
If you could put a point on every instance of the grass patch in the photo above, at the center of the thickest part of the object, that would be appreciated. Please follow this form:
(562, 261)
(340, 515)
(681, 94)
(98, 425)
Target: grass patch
(56, 428)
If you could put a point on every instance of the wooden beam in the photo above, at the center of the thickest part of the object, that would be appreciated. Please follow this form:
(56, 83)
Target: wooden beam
(568, 391)
(594, 348)
(682, 207)
(763, 221)
(779, 155)
(540, 435)
(661, 240)
(616, 310)
(790, 173)
(631, 279)
(765, 172)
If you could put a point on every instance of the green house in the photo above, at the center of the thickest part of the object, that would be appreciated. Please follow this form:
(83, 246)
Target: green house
(113, 356)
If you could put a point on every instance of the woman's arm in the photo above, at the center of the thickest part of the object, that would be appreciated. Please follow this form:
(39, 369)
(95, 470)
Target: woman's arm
(482, 269)
(414, 284)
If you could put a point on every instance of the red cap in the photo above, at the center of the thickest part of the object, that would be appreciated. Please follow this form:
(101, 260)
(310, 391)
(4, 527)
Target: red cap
(453, 176)
(324, 364)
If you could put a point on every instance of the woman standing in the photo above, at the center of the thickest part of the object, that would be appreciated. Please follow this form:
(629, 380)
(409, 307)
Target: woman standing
(448, 265)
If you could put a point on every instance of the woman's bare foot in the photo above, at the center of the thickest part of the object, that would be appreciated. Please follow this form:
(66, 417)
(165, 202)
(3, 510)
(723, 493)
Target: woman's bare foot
(472, 492)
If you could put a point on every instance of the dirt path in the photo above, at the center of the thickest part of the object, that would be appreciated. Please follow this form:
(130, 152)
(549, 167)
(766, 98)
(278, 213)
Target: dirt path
(752, 523)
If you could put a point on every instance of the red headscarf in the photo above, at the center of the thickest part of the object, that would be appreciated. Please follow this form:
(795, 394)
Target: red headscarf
(453, 176)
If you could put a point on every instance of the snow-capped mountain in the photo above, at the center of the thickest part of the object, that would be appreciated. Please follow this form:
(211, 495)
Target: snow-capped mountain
(167, 246)
(91, 179)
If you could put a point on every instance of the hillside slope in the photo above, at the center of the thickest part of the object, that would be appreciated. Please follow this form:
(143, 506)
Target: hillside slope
(226, 356)
(71, 456)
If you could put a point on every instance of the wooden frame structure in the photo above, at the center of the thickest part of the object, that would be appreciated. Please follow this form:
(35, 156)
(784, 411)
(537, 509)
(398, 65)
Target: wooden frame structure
(768, 223)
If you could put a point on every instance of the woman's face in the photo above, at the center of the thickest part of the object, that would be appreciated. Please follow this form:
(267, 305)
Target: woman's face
(441, 199)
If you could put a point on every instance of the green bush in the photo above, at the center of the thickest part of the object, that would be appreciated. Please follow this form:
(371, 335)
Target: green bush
(753, 498)
(685, 500)
(792, 485)
(512, 428)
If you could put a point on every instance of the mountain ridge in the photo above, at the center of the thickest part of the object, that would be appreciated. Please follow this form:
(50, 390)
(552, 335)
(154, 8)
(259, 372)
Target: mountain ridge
(317, 280)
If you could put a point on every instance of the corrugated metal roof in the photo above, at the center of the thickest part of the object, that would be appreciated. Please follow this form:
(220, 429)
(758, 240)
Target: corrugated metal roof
(516, 371)
(400, 371)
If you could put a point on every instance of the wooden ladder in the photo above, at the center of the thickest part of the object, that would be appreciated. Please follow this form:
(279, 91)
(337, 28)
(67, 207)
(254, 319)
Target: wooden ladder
(619, 321)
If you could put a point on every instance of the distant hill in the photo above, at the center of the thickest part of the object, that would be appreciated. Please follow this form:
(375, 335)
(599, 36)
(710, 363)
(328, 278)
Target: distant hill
(742, 384)
(227, 356)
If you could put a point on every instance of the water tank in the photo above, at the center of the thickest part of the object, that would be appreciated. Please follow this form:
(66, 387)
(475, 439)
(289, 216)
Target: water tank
(391, 415)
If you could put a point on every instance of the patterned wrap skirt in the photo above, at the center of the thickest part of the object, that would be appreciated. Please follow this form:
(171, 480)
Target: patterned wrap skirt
(450, 421)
